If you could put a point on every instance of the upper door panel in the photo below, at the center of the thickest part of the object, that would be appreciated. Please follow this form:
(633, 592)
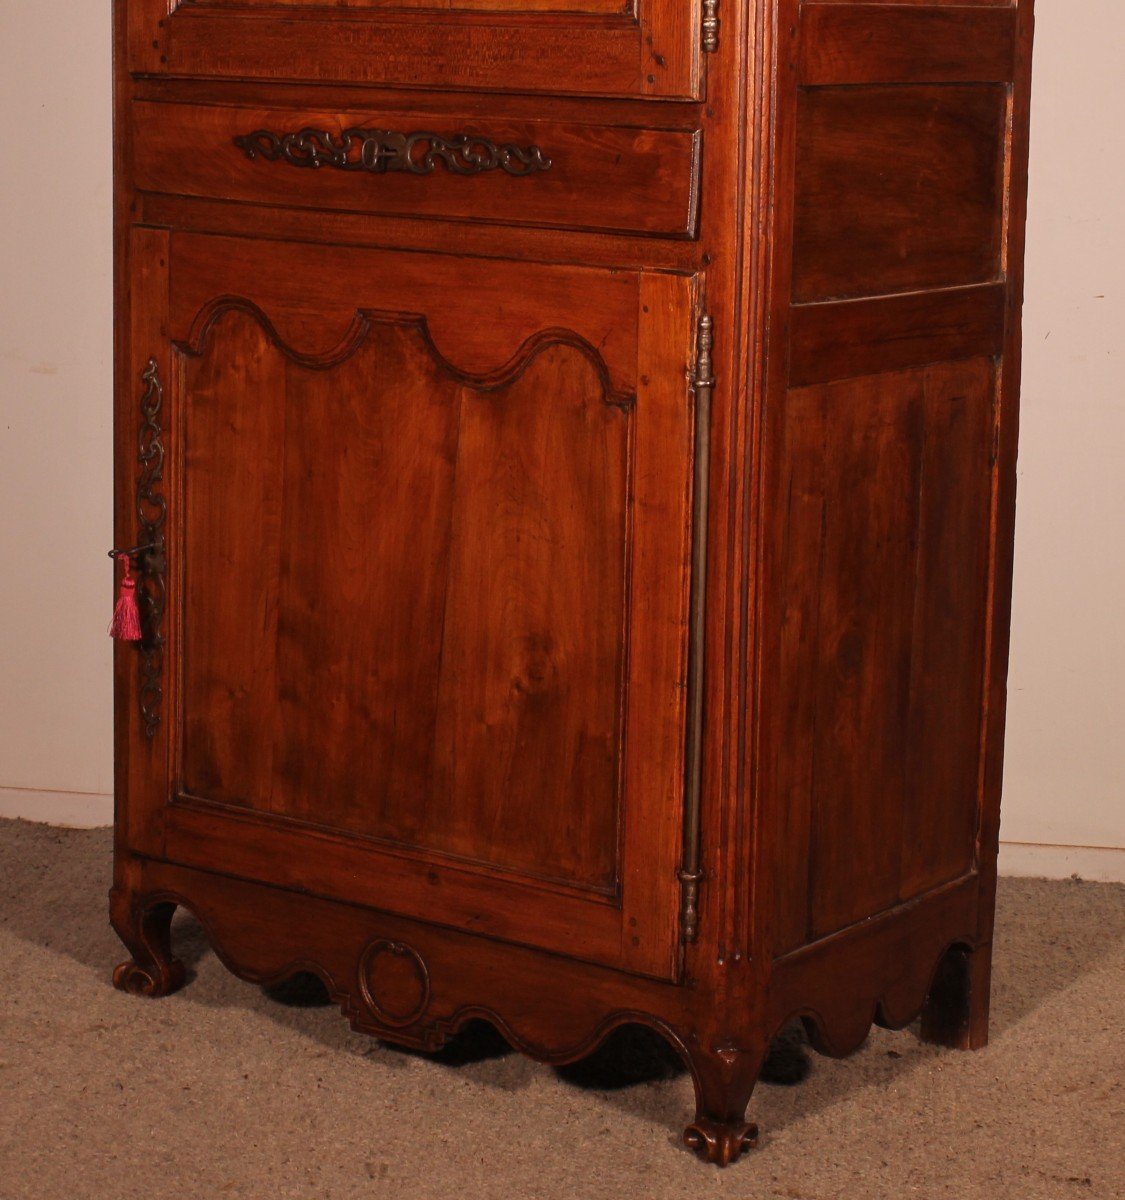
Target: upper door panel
(581, 47)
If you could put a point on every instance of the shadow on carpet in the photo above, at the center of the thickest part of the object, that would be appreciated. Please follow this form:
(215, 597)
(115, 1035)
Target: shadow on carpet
(54, 895)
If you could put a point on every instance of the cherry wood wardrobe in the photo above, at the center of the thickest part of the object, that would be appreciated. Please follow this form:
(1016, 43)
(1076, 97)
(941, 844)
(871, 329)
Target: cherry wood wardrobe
(566, 451)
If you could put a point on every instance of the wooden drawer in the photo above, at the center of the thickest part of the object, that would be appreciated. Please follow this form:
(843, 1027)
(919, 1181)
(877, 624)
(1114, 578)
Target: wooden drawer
(565, 47)
(522, 172)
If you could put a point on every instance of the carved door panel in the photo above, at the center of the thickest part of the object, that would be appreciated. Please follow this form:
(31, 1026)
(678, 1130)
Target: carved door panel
(591, 47)
(427, 584)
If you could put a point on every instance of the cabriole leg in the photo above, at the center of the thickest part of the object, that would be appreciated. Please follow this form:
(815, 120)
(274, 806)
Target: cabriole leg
(146, 931)
(724, 1080)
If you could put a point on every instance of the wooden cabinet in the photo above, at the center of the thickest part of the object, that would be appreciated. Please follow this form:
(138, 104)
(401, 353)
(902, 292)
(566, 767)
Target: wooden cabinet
(568, 466)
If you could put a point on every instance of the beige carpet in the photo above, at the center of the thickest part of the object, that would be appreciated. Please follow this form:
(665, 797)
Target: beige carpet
(220, 1091)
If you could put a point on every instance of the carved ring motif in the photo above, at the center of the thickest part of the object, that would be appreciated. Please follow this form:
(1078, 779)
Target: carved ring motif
(394, 981)
(381, 150)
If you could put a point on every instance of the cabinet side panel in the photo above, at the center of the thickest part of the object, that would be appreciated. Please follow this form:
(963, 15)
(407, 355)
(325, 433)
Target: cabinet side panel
(939, 811)
(897, 188)
(887, 477)
(894, 286)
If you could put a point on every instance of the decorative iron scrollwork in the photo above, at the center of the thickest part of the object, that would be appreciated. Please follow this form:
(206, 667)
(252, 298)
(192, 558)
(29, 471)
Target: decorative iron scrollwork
(152, 510)
(381, 150)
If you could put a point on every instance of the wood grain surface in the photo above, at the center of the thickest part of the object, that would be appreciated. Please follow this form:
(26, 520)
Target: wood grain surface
(429, 448)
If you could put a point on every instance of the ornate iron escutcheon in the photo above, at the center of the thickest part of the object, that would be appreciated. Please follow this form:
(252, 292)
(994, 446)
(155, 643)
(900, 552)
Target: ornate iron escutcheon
(378, 151)
(151, 514)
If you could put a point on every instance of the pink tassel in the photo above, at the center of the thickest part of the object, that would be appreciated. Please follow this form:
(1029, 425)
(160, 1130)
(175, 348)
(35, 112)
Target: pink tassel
(126, 623)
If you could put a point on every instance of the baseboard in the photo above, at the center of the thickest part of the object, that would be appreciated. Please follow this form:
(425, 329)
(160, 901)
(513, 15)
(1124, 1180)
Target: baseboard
(1101, 864)
(76, 810)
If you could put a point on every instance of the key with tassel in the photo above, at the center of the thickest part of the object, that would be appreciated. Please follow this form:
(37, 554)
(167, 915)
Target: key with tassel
(125, 625)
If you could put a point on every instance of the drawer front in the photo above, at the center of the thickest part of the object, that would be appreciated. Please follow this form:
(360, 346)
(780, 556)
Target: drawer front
(583, 47)
(522, 172)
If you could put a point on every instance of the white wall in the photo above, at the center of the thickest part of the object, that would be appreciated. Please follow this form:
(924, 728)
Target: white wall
(1065, 764)
(1065, 782)
(55, 406)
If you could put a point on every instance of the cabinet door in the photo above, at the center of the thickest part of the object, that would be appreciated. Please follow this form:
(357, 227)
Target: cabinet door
(426, 585)
(590, 47)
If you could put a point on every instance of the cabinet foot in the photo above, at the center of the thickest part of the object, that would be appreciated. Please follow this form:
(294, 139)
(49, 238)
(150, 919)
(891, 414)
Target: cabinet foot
(718, 1143)
(146, 931)
(724, 1081)
(956, 1009)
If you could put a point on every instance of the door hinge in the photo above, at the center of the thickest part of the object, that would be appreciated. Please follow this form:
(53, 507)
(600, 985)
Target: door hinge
(710, 34)
(702, 385)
